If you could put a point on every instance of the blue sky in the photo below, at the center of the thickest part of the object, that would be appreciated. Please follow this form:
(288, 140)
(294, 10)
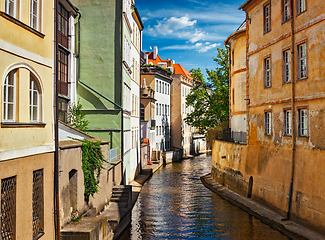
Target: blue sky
(189, 31)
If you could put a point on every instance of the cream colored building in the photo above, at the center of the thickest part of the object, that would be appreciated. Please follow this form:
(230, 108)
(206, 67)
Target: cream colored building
(26, 132)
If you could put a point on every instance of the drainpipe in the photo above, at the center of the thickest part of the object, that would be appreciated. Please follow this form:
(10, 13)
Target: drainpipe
(116, 105)
(292, 109)
(121, 99)
(56, 129)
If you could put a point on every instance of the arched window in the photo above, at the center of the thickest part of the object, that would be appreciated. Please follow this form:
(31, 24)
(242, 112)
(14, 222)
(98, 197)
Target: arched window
(142, 112)
(34, 102)
(9, 97)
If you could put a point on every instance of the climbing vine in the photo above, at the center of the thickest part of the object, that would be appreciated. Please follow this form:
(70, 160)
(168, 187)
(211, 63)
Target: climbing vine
(92, 164)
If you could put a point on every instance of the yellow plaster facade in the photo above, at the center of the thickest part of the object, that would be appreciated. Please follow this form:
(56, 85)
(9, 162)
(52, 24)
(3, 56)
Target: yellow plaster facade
(26, 131)
(281, 147)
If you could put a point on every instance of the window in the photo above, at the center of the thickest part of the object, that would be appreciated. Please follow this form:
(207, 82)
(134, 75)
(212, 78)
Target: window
(160, 109)
(34, 101)
(166, 88)
(142, 112)
(160, 86)
(287, 122)
(34, 14)
(38, 204)
(182, 91)
(286, 10)
(303, 124)
(302, 61)
(267, 72)
(157, 109)
(157, 86)
(63, 26)
(301, 6)
(11, 7)
(267, 18)
(233, 57)
(8, 209)
(63, 110)
(9, 97)
(286, 66)
(63, 73)
(157, 130)
(268, 122)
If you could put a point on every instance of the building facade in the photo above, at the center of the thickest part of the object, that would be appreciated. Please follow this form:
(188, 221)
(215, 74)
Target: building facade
(282, 160)
(27, 146)
(182, 133)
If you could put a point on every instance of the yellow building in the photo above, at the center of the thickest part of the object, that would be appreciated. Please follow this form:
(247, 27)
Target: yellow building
(283, 158)
(26, 132)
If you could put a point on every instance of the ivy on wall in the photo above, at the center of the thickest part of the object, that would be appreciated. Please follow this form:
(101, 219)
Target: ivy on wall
(92, 164)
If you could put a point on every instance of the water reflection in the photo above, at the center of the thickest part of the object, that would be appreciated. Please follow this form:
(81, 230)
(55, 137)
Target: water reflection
(174, 204)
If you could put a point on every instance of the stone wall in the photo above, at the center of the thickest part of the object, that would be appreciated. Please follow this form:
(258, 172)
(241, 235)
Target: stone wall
(72, 200)
(270, 169)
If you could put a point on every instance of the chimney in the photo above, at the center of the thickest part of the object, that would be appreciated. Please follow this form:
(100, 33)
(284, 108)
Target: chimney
(155, 52)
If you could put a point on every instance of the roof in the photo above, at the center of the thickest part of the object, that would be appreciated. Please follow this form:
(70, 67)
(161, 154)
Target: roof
(179, 69)
(244, 4)
(240, 29)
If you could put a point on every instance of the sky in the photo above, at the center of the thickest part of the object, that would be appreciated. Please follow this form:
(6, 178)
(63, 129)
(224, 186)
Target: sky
(188, 31)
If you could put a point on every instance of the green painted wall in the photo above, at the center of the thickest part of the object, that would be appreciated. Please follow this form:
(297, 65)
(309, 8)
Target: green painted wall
(101, 66)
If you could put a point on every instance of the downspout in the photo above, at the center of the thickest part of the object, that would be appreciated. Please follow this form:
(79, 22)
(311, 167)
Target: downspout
(56, 129)
(293, 128)
(121, 99)
(116, 105)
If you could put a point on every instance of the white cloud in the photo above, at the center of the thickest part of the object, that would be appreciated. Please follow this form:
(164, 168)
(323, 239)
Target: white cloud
(199, 47)
(168, 26)
(197, 36)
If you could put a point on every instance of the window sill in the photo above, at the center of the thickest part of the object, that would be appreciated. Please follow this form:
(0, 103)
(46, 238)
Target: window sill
(303, 136)
(266, 32)
(301, 79)
(286, 82)
(298, 14)
(22, 125)
(21, 24)
(267, 86)
(285, 21)
(287, 135)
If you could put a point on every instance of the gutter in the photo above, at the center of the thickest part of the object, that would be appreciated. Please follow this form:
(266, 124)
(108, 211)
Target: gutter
(293, 128)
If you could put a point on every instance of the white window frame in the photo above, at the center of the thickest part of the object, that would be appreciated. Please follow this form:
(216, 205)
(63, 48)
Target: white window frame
(268, 122)
(287, 123)
(267, 72)
(7, 7)
(301, 6)
(32, 105)
(267, 18)
(286, 10)
(302, 61)
(6, 103)
(303, 122)
(287, 66)
(33, 15)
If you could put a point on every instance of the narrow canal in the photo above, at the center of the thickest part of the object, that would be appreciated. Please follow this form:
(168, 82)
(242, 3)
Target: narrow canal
(174, 204)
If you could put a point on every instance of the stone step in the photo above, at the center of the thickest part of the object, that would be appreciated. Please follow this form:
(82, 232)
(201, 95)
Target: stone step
(119, 199)
(124, 195)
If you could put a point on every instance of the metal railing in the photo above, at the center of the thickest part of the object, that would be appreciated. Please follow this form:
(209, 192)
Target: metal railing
(112, 154)
(8, 209)
(230, 136)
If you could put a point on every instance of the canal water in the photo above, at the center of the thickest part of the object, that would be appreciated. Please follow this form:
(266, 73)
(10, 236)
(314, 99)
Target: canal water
(174, 204)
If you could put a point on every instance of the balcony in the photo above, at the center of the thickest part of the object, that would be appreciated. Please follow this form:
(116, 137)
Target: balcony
(151, 69)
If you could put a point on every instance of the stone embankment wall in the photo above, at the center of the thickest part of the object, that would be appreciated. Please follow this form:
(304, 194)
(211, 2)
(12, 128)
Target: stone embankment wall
(72, 200)
(269, 167)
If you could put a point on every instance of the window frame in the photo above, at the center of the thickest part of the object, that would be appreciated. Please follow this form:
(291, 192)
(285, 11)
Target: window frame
(265, 17)
(300, 122)
(287, 123)
(5, 101)
(286, 18)
(34, 82)
(266, 71)
(268, 125)
(32, 15)
(285, 64)
(299, 58)
(298, 8)
(7, 8)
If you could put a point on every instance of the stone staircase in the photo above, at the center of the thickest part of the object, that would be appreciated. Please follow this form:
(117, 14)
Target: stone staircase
(122, 194)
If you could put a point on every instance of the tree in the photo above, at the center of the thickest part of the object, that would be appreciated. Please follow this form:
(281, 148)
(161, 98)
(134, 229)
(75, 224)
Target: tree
(210, 98)
(76, 118)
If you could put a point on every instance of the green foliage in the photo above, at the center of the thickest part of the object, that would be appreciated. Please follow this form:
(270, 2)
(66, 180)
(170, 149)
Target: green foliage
(144, 68)
(210, 98)
(92, 164)
(76, 118)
